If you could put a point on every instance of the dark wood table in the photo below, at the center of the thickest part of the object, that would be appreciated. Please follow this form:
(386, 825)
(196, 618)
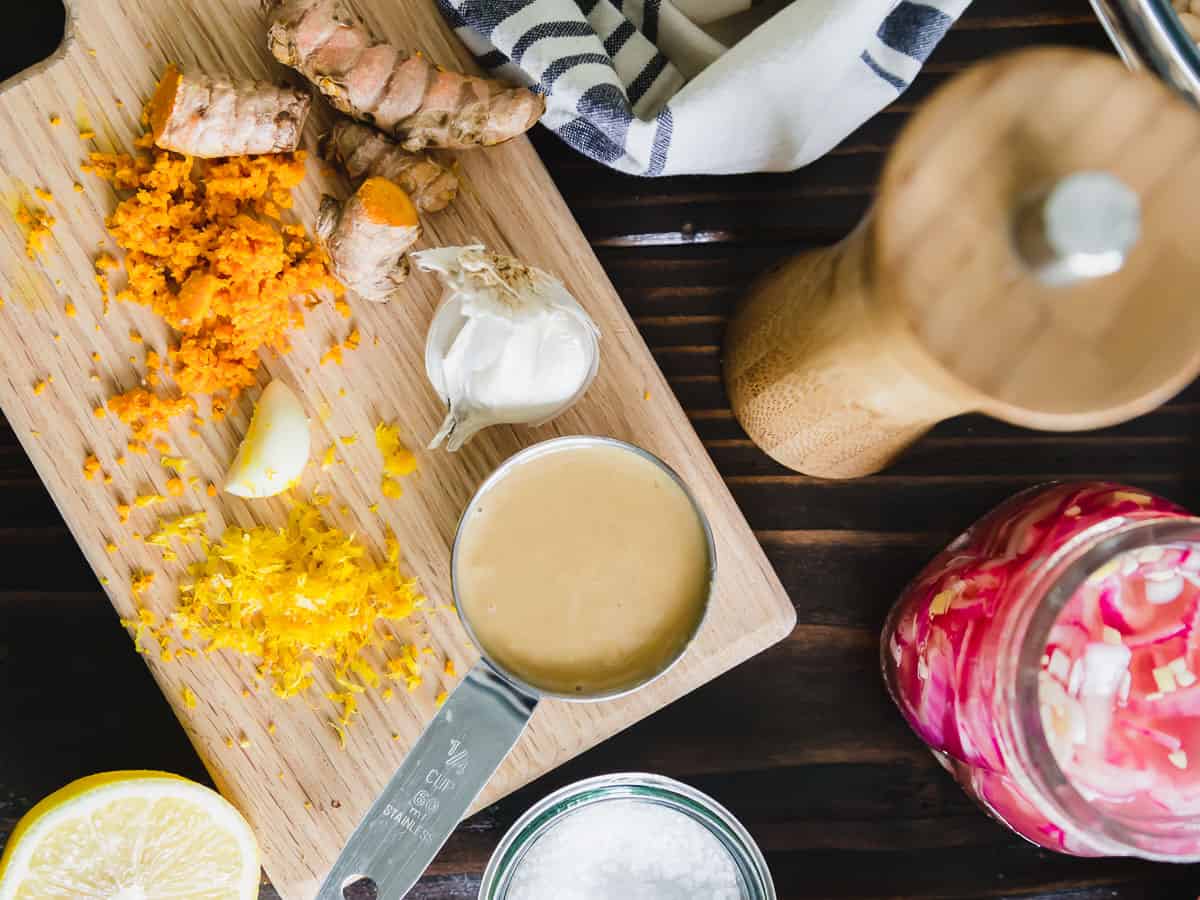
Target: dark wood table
(801, 743)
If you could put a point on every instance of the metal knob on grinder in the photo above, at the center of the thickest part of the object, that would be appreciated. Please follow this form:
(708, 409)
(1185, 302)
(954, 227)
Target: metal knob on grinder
(1083, 226)
(1028, 256)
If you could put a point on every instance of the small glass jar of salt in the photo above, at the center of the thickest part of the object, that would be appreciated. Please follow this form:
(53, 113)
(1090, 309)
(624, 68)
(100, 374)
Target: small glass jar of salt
(629, 836)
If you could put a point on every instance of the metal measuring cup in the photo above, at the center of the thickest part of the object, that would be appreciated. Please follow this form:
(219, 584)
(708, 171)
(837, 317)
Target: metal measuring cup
(478, 725)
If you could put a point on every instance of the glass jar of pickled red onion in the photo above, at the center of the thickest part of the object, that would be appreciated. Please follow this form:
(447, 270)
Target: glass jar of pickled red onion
(1050, 658)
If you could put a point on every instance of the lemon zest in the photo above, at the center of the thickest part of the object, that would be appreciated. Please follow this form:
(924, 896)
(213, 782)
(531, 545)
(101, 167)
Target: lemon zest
(174, 463)
(140, 581)
(398, 460)
(294, 596)
(187, 528)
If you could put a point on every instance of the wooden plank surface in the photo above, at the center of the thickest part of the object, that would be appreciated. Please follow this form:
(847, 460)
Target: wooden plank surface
(279, 775)
(801, 742)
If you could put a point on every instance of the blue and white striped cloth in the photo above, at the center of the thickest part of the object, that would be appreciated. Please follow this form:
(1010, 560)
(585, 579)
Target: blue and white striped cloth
(646, 86)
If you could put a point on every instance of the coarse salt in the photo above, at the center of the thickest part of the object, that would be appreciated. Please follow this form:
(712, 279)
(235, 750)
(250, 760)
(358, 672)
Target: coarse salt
(627, 849)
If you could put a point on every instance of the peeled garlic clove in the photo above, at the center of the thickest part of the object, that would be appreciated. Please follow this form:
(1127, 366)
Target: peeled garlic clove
(274, 451)
(508, 345)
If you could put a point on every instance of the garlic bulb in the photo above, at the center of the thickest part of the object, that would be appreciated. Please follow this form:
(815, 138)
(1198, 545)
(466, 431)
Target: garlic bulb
(508, 345)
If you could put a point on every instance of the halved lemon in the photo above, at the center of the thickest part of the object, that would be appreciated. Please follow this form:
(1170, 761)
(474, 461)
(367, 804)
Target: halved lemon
(131, 836)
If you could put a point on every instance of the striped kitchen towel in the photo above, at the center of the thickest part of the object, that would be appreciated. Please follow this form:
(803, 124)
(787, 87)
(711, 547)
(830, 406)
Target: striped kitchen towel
(670, 87)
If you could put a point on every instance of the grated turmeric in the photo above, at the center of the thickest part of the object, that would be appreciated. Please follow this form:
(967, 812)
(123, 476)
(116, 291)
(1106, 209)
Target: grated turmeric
(104, 264)
(39, 222)
(333, 355)
(145, 413)
(199, 254)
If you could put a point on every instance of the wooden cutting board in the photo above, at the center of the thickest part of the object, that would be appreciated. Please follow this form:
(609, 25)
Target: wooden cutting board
(301, 791)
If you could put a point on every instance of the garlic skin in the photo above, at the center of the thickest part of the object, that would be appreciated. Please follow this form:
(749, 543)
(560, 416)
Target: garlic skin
(508, 345)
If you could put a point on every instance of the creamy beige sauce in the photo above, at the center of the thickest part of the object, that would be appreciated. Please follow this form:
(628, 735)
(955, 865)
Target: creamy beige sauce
(583, 570)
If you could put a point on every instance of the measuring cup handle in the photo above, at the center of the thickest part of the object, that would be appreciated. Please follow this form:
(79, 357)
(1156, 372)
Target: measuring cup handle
(430, 793)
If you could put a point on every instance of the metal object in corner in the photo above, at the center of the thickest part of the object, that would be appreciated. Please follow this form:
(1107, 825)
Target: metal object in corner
(1149, 36)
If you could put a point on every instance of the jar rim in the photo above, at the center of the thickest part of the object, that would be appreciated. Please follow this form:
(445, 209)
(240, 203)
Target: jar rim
(643, 786)
(1061, 576)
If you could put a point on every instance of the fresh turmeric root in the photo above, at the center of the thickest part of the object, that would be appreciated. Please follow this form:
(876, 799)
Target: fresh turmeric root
(363, 152)
(409, 98)
(209, 117)
(368, 237)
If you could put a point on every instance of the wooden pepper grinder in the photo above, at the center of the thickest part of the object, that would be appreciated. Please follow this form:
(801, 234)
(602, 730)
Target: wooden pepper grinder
(1033, 254)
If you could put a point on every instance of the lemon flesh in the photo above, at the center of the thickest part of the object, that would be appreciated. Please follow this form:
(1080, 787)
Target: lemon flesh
(131, 836)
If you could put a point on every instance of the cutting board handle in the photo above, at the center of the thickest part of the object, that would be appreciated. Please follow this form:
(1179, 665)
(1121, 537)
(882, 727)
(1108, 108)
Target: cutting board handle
(68, 46)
